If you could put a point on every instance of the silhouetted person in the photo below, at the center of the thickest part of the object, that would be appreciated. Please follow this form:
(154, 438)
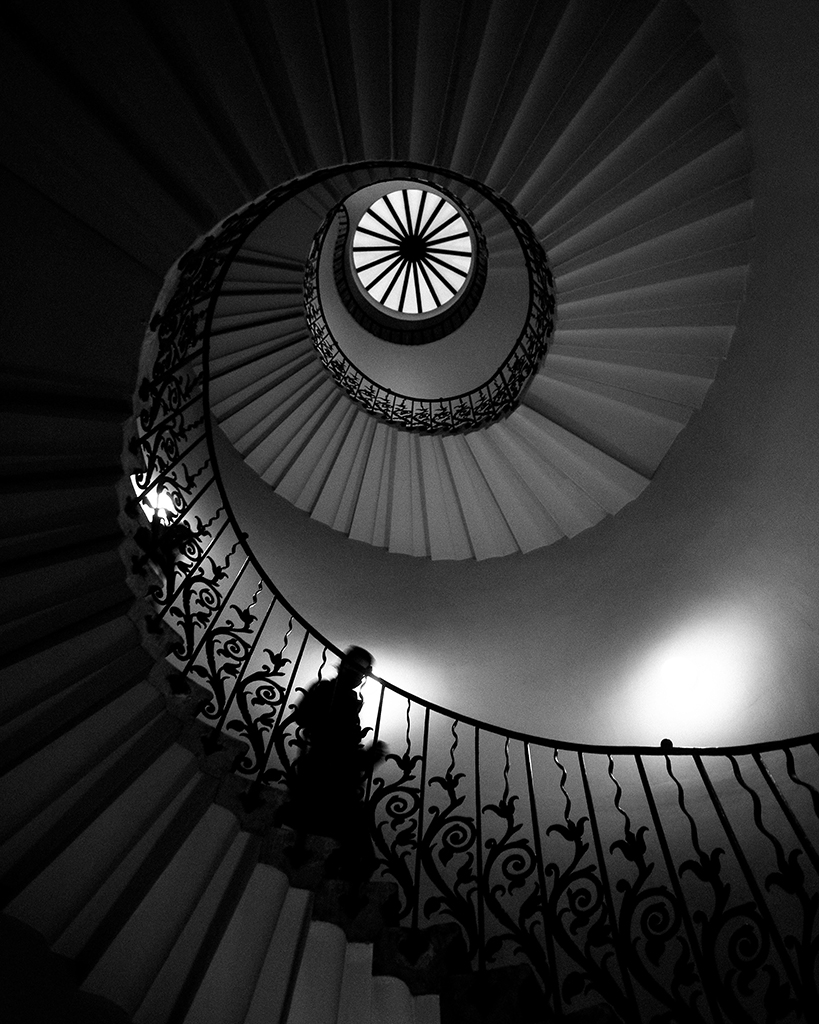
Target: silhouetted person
(329, 776)
(162, 545)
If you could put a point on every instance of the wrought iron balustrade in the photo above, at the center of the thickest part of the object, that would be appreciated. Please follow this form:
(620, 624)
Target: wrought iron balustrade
(677, 885)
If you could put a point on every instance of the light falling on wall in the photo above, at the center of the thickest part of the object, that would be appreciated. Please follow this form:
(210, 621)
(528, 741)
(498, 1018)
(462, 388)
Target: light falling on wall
(410, 675)
(393, 718)
(697, 687)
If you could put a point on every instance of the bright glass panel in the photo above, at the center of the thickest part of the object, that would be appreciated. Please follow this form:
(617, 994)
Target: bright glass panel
(409, 229)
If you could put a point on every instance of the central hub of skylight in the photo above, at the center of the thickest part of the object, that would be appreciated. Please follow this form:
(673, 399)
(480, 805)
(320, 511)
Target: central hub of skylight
(412, 251)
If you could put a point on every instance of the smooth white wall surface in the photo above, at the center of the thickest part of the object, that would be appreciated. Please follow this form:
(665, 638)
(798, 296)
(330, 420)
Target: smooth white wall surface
(614, 635)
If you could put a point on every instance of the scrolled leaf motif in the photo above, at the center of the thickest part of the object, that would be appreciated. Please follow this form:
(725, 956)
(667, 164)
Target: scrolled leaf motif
(458, 835)
(398, 802)
(516, 859)
(790, 877)
(659, 920)
(400, 805)
(748, 945)
(200, 594)
(267, 695)
(398, 797)
(231, 651)
(517, 865)
(255, 729)
(707, 868)
(251, 759)
(572, 832)
(585, 899)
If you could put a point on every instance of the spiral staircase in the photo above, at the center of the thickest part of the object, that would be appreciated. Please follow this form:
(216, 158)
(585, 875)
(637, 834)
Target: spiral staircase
(142, 879)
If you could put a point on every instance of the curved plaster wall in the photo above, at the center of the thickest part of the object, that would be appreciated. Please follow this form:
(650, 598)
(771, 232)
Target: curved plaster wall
(695, 612)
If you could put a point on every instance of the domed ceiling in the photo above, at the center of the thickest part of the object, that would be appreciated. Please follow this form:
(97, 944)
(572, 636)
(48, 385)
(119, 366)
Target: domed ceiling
(616, 143)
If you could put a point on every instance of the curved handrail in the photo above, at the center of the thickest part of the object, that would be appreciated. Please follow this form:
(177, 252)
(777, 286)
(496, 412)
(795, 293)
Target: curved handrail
(676, 881)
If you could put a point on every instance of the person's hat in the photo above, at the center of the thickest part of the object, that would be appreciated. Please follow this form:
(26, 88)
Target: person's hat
(359, 658)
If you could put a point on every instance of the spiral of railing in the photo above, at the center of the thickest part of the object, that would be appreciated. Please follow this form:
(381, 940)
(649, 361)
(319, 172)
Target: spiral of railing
(677, 885)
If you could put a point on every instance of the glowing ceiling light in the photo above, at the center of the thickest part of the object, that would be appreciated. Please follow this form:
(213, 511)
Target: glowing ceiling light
(696, 688)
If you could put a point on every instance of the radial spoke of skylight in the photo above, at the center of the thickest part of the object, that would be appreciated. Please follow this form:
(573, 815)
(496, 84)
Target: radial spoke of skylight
(410, 303)
(416, 199)
(445, 226)
(446, 267)
(448, 241)
(431, 215)
(460, 264)
(405, 284)
(374, 220)
(375, 248)
(366, 262)
(440, 222)
(390, 297)
(395, 215)
(428, 288)
(370, 232)
(451, 288)
(377, 274)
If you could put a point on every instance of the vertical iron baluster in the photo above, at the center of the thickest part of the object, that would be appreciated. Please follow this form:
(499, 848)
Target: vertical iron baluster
(178, 461)
(420, 833)
(541, 876)
(504, 385)
(153, 394)
(187, 509)
(791, 767)
(479, 853)
(265, 760)
(170, 599)
(376, 732)
(222, 604)
(178, 513)
(165, 422)
(293, 674)
(675, 881)
(787, 810)
(604, 877)
(271, 742)
(161, 479)
(220, 723)
(195, 353)
(147, 447)
(756, 892)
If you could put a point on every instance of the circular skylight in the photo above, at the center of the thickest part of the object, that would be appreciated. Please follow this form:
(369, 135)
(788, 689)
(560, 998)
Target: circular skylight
(412, 251)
